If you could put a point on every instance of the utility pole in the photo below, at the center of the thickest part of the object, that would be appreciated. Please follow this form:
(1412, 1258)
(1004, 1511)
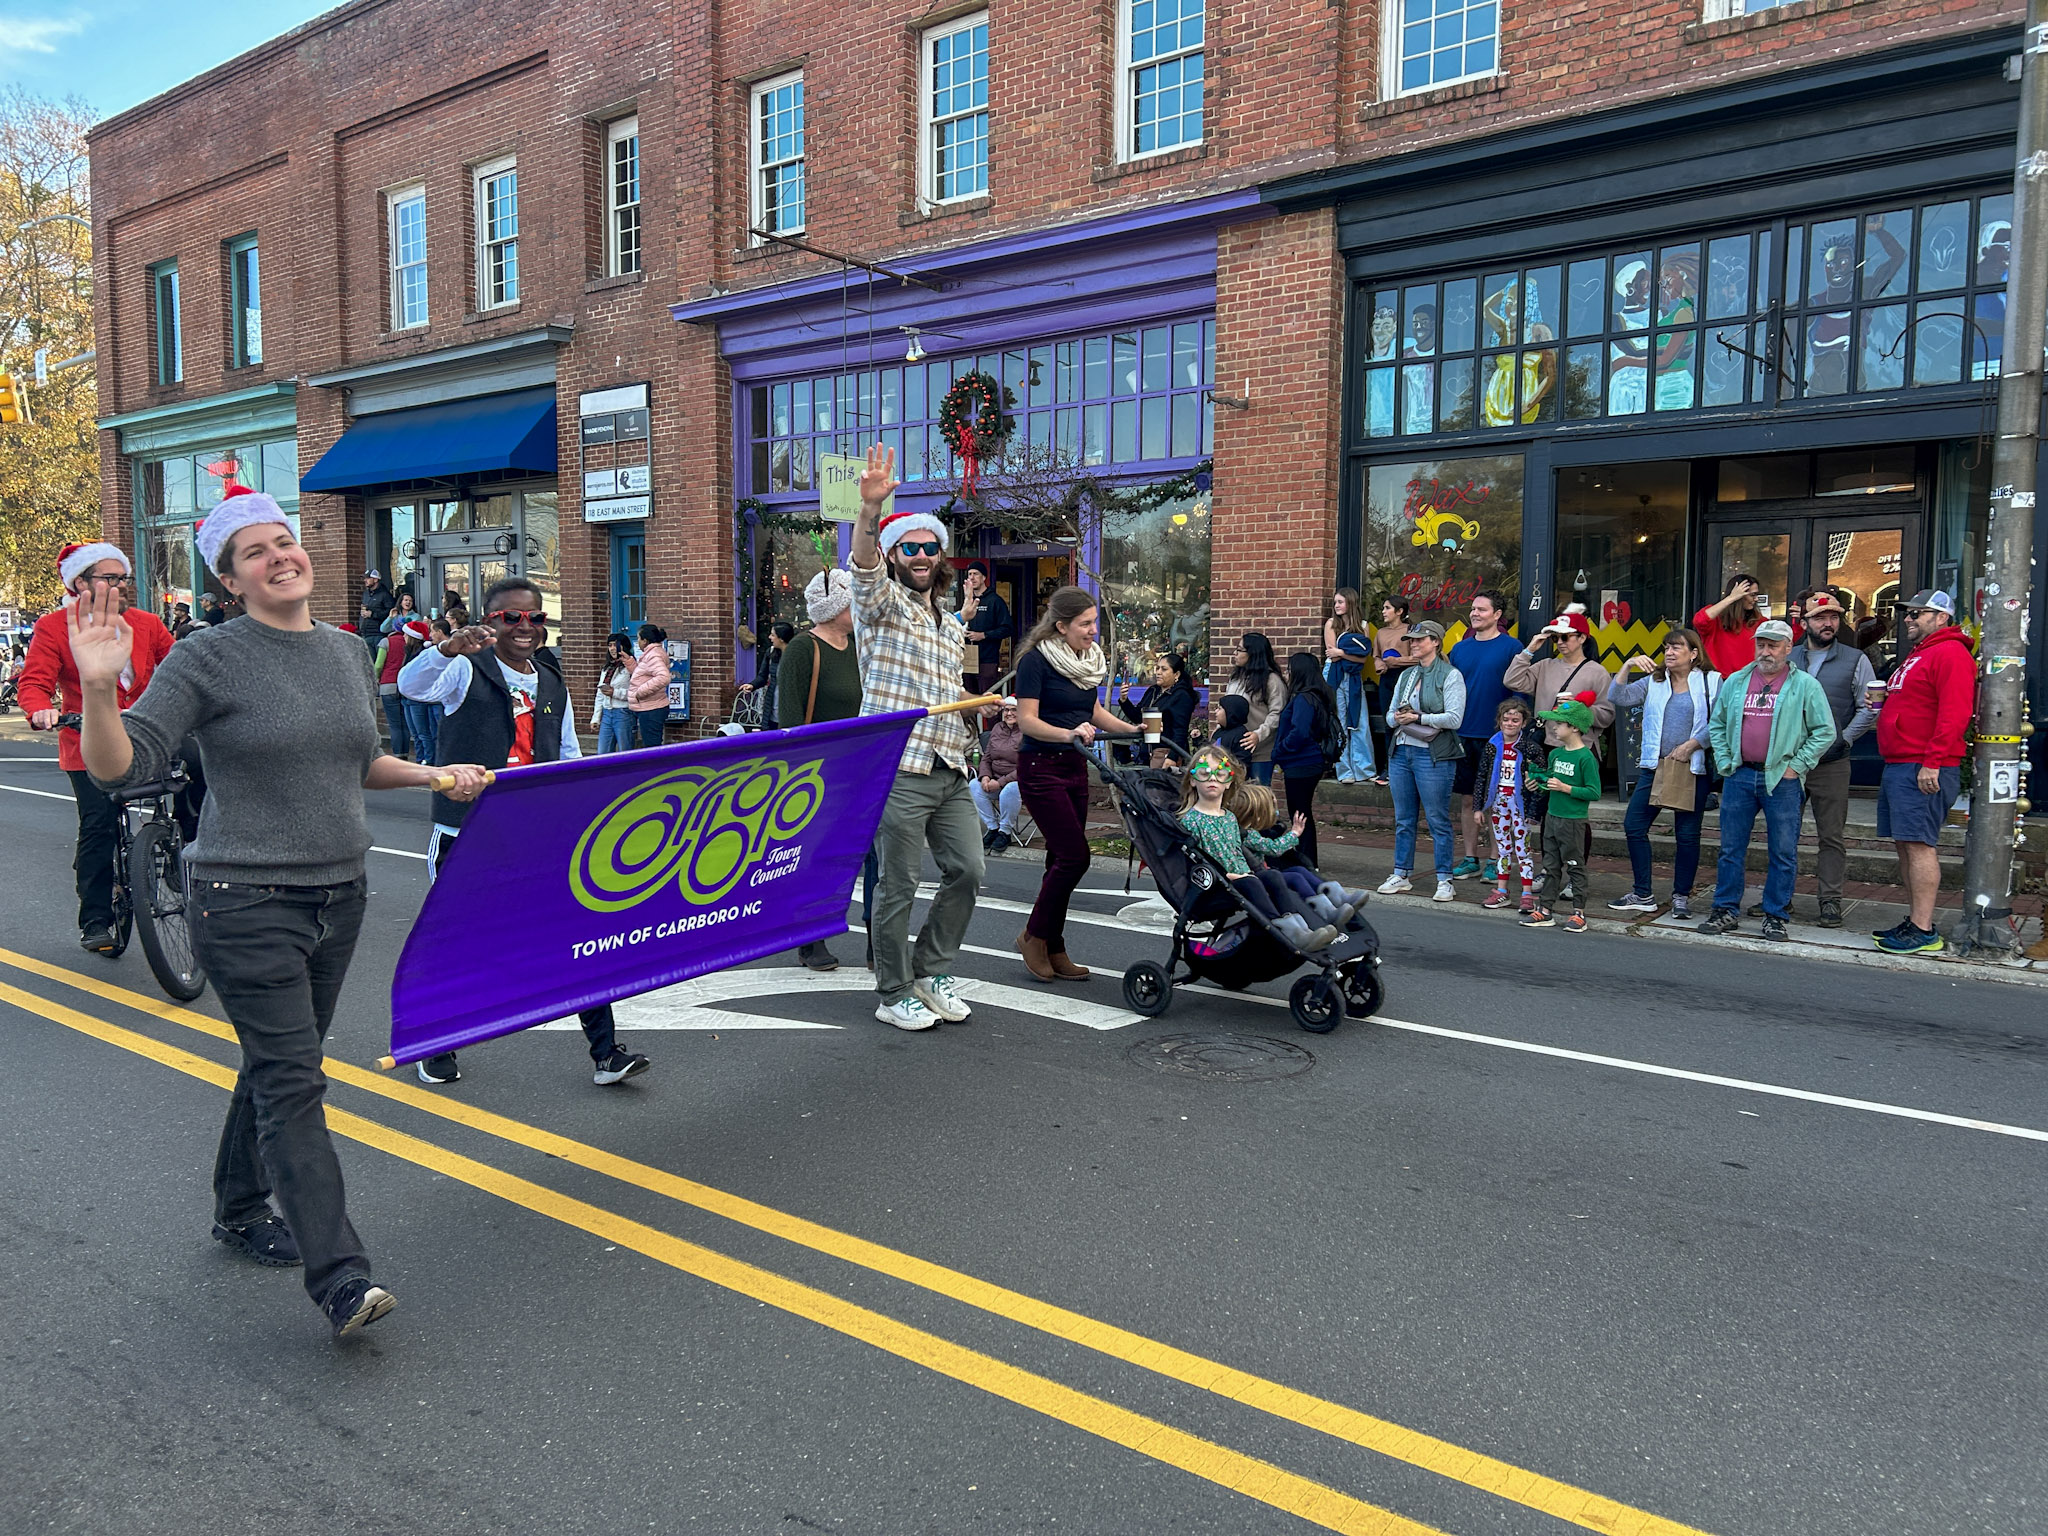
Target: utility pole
(1983, 927)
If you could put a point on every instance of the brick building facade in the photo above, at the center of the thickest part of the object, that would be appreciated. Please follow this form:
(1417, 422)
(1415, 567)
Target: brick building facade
(1207, 199)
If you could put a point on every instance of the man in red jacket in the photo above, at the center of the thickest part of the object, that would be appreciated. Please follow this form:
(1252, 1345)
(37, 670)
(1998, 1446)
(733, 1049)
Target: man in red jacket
(1921, 725)
(49, 686)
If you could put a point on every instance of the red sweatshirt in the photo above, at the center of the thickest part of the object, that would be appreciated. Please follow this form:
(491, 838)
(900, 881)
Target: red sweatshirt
(49, 679)
(1929, 701)
(1730, 650)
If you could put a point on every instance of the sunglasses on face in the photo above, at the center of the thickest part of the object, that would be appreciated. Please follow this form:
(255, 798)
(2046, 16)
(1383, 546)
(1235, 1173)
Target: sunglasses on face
(1213, 770)
(922, 547)
(511, 618)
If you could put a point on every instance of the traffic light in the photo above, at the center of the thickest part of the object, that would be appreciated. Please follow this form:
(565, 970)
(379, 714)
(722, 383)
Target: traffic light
(14, 403)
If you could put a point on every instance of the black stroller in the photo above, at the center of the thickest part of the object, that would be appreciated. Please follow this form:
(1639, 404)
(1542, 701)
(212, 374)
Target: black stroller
(1217, 935)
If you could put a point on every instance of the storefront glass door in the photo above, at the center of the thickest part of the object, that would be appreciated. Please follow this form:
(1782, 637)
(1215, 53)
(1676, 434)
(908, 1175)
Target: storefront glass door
(1866, 558)
(462, 580)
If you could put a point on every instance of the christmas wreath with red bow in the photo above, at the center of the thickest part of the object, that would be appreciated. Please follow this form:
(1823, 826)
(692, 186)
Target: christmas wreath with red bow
(975, 420)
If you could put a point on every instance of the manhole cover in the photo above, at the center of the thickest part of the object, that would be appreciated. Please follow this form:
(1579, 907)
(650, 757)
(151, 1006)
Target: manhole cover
(1222, 1058)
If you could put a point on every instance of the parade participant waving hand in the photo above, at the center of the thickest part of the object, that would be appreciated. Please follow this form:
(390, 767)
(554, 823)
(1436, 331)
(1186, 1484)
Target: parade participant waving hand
(508, 708)
(286, 712)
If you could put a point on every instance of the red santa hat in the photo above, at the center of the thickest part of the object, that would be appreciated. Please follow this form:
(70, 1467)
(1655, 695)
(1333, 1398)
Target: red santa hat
(899, 525)
(239, 508)
(74, 560)
(419, 630)
(1572, 621)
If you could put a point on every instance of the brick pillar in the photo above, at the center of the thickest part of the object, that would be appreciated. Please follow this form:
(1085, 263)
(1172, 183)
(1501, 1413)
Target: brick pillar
(1273, 520)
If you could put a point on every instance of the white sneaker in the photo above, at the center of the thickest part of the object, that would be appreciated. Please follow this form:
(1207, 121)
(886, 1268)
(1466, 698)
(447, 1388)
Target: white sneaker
(941, 995)
(1445, 891)
(1395, 884)
(909, 1013)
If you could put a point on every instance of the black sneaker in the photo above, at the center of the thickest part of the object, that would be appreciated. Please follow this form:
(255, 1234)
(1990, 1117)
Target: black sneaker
(988, 838)
(999, 843)
(1896, 929)
(1756, 909)
(98, 939)
(1720, 920)
(1774, 929)
(818, 957)
(619, 1066)
(440, 1069)
(355, 1303)
(268, 1241)
(1830, 912)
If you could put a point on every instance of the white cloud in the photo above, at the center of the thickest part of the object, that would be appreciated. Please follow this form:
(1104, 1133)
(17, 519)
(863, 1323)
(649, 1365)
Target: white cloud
(36, 34)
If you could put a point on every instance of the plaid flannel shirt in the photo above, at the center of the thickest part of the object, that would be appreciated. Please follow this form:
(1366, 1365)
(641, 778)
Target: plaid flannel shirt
(910, 658)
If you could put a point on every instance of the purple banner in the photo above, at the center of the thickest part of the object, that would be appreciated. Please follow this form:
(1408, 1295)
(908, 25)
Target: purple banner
(579, 883)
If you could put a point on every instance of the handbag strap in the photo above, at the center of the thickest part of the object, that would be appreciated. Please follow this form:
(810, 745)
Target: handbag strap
(817, 666)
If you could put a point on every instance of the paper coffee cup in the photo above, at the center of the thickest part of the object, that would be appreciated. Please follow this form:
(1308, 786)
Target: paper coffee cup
(1155, 724)
(1874, 692)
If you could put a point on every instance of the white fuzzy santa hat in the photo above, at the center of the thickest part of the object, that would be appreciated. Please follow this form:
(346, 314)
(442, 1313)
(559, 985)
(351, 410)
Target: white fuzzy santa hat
(829, 594)
(1572, 621)
(74, 560)
(240, 508)
(899, 525)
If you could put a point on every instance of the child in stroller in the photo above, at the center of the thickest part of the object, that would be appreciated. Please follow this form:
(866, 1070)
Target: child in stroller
(1232, 928)
(1274, 850)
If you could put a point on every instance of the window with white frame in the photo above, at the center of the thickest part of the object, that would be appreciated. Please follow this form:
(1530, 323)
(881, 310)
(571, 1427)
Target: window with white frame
(170, 334)
(406, 224)
(955, 102)
(497, 234)
(622, 196)
(245, 303)
(778, 154)
(1438, 42)
(1159, 76)
(1724, 10)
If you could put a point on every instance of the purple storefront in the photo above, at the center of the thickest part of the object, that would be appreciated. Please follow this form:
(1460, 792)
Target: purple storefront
(1104, 332)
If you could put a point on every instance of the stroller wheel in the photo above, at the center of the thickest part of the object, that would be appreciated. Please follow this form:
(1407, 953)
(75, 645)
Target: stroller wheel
(1148, 990)
(1316, 1003)
(1363, 990)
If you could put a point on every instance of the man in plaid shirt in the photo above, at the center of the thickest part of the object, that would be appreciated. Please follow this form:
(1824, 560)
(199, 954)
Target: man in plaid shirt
(911, 657)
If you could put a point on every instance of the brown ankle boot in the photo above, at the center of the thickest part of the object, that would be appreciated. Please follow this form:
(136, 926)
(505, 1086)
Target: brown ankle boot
(1064, 968)
(1035, 958)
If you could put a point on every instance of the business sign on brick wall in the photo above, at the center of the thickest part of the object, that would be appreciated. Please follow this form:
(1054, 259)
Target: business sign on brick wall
(612, 437)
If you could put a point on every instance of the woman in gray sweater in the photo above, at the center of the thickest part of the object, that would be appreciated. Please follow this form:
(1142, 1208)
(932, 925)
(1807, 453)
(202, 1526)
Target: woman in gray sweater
(285, 711)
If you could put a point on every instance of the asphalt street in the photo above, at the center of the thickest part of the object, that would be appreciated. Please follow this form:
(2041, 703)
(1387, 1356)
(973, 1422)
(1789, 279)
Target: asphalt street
(1032, 1273)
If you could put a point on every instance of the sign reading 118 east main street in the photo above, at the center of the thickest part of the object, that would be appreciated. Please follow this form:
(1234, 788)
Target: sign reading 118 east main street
(612, 453)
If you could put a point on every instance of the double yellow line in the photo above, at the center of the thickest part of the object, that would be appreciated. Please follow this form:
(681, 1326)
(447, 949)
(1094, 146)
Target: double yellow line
(1283, 1490)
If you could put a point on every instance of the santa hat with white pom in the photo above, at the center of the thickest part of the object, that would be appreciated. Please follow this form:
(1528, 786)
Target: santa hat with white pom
(239, 508)
(74, 560)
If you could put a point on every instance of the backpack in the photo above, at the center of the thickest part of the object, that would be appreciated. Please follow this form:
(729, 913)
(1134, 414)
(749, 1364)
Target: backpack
(1330, 734)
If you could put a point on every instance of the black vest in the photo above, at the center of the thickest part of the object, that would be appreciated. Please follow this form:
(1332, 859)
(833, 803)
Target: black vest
(481, 730)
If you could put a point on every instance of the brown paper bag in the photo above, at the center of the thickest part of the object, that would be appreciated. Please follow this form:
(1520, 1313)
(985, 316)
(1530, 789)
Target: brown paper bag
(1674, 785)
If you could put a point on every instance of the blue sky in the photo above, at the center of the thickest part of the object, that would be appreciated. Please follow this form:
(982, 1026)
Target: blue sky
(115, 53)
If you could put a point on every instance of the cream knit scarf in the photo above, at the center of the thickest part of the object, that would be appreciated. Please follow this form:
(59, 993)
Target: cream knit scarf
(1085, 669)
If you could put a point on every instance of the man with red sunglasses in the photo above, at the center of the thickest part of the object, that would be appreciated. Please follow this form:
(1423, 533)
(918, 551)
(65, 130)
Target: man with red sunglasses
(507, 712)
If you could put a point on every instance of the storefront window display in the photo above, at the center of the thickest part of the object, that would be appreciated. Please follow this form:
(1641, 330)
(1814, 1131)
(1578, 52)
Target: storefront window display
(1866, 301)
(1623, 527)
(1436, 531)
(1126, 397)
(1155, 577)
(173, 494)
(790, 559)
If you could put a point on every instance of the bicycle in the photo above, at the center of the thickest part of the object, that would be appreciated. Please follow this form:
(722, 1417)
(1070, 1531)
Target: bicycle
(151, 860)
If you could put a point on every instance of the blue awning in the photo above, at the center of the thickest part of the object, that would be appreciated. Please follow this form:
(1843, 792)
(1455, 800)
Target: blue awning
(487, 435)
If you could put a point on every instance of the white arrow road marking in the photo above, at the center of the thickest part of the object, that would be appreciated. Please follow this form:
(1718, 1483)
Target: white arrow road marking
(687, 1004)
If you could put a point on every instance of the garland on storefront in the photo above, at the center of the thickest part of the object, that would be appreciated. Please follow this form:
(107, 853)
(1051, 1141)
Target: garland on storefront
(975, 421)
(1057, 512)
(753, 514)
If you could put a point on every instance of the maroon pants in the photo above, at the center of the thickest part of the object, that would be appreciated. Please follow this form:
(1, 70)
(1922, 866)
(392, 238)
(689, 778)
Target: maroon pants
(1054, 789)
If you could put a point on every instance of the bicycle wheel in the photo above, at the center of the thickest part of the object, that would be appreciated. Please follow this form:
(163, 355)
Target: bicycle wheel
(124, 891)
(156, 875)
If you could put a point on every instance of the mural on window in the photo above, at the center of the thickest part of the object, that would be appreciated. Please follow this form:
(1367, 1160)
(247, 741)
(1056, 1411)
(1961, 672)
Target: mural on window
(1439, 530)
(1129, 397)
(1155, 573)
(1893, 299)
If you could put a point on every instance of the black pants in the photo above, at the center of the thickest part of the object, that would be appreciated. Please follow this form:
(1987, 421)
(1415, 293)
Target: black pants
(94, 863)
(276, 955)
(1301, 796)
(598, 1026)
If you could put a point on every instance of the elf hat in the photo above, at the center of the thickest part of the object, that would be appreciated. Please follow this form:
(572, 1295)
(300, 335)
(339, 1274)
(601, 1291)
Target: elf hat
(74, 560)
(898, 526)
(239, 508)
(1574, 711)
(1572, 621)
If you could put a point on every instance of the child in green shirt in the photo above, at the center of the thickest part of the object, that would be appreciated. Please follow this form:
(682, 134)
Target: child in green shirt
(1572, 775)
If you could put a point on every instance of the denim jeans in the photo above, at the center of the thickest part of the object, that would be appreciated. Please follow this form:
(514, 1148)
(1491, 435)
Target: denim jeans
(1742, 796)
(1263, 772)
(276, 955)
(648, 722)
(1685, 825)
(1357, 761)
(615, 731)
(1421, 785)
(999, 811)
(423, 725)
(394, 718)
